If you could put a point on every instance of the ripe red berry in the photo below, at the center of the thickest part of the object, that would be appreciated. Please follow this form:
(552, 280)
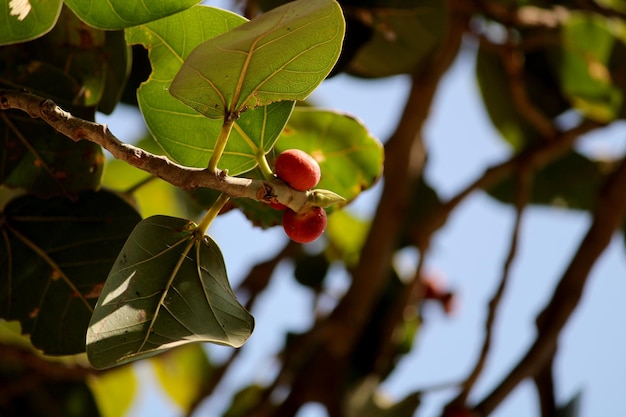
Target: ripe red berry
(304, 227)
(298, 169)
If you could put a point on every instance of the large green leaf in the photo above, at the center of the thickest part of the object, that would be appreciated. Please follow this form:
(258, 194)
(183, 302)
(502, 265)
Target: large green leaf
(168, 287)
(350, 158)
(186, 136)
(27, 20)
(120, 14)
(54, 257)
(282, 55)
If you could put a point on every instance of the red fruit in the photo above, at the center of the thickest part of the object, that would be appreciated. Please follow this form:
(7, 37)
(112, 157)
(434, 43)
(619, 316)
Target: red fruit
(304, 227)
(298, 169)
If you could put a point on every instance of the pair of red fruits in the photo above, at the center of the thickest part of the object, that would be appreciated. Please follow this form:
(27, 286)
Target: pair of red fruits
(301, 172)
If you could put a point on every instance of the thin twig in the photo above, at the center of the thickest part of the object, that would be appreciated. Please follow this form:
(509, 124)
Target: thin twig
(522, 197)
(608, 217)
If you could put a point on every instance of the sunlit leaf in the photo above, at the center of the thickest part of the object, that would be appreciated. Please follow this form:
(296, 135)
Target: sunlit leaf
(346, 235)
(186, 136)
(583, 65)
(282, 55)
(114, 391)
(22, 21)
(350, 158)
(183, 373)
(168, 287)
(55, 255)
(120, 14)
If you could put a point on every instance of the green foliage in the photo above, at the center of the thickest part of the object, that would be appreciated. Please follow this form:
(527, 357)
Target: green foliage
(28, 21)
(55, 256)
(349, 156)
(265, 69)
(167, 287)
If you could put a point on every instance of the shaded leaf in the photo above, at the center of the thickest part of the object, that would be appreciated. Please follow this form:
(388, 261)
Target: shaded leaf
(350, 158)
(114, 391)
(54, 258)
(168, 287)
(571, 182)
(183, 373)
(44, 162)
(283, 54)
(540, 82)
(404, 37)
(120, 14)
(310, 270)
(24, 22)
(50, 398)
(186, 136)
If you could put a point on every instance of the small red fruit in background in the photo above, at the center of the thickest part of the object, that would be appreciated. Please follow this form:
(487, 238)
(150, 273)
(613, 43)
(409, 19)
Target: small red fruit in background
(304, 227)
(298, 169)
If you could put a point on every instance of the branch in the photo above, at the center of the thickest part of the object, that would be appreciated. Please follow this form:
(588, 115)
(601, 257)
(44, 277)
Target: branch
(608, 217)
(178, 175)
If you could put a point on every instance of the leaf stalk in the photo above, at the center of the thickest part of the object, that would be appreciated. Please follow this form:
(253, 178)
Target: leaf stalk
(211, 214)
(221, 142)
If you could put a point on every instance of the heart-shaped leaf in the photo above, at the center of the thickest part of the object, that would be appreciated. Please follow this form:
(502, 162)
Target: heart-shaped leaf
(168, 287)
(282, 55)
(186, 136)
(24, 21)
(120, 14)
(54, 257)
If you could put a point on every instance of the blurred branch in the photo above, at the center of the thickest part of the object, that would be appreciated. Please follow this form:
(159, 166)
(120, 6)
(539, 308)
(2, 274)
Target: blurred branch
(608, 217)
(35, 371)
(513, 60)
(544, 382)
(180, 176)
(524, 186)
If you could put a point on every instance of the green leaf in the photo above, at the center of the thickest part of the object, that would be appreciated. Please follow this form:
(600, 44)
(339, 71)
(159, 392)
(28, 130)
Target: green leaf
(282, 55)
(114, 391)
(55, 255)
(583, 65)
(184, 135)
(346, 235)
(403, 38)
(183, 373)
(121, 14)
(571, 182)
(350, 158)
(167, 287)
(24, 21)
